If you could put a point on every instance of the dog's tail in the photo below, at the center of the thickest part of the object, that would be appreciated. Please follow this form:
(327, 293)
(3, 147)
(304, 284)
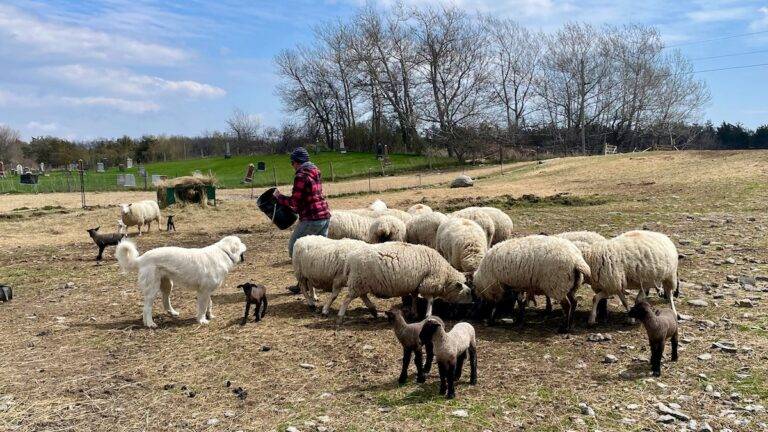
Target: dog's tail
(127, 256)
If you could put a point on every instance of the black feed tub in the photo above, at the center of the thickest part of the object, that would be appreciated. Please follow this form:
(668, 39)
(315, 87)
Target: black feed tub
(280, 215)
(6, 293)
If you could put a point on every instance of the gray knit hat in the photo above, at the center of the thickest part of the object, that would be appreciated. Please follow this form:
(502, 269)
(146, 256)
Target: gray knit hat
(300, 155)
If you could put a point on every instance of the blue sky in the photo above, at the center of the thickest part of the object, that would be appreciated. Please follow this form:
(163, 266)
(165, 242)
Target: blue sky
(87, 69)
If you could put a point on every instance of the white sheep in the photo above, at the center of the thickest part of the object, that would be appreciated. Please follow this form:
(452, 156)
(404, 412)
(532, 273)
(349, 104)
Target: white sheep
(587, 237)
(403, 216)
(396, 269)
(140, 213)
(481, 217)
(318, 262)
(121, 227)
(462, 242)
(636, 260)
(378, 205)
(346, 224)
(533, 265)
(386, 228)
(418, 209)
(502, 224)
(422, 229)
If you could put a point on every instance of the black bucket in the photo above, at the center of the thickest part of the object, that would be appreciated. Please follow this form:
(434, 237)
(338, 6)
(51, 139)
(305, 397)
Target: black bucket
(6, 293)
(280, 215)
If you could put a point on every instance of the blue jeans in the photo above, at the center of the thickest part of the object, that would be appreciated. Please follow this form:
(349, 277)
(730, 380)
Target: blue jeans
(308, 227)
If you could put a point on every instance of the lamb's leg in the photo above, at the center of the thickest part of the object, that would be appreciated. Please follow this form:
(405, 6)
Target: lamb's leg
(566, 305)
(430, 349)
(459, 365)
(261, 309)
(247, 309)
(657, 352)
(449, 372)
(407, 352)
(473, 364)
(203, 301)
(443, 371)
(344, 305)
(429, 307)
(596, 299)
(370, 305)
(674, 342)
(419, 362)
(625, 303)
(166, 285)
(101, 252)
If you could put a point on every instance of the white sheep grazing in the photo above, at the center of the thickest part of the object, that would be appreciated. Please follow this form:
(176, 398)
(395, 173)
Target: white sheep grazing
(378, 205)
(587, 237)
(418, 209)
(462, 242)
(636, 260)
(533, 265)
(345, 224)
(140, 213)
(481, 217)
(386, 228)
(396, 269)
(403, 216)
(422, 229)
(502, 224)
(318, 262)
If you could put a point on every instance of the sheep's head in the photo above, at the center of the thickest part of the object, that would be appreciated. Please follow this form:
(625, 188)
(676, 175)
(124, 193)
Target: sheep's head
(92, 231)
(640, 310)
(458, 292)
(125, 208)
(430, 327)
(393, 312)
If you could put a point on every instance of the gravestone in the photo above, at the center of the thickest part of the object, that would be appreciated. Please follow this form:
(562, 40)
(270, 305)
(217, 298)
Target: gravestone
(2, 169)
(19, 169)
(129, 163)
(42, 167)
(100, 167)
(142, 171)
(28, 178)
(130, 180)
(261, 166)
(121, 179)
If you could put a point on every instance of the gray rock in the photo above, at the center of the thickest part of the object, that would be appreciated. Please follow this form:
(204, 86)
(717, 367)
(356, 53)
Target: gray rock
(462, 180)
(307, 365)
(586, 410)
(610, 358)
(676, 413)
(725, 346)
(730, 260)
(291, 429)
(705, 427)
(698, 302)
(460, 413)
(599, 337)
(745, 303)
(732, 278)
(666, 418)
(212, 422)
(704, 357)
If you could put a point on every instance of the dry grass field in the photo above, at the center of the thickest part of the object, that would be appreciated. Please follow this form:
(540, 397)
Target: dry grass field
(75, 357)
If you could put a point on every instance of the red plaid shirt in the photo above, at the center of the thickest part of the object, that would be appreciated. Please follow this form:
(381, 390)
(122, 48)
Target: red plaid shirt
(307, 198)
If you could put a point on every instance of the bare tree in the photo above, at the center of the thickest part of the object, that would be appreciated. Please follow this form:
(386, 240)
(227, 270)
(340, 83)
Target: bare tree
(10, 145)
(244, 127)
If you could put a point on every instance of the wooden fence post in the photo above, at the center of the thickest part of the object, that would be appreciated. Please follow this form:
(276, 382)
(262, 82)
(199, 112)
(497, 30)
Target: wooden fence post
(333, 175)
(369, 180)
(274, 174)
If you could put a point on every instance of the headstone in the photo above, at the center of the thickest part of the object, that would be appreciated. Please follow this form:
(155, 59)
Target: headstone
(121, 179)
(248, 174)
(142, 171)
(100, 167)
(130, 180)
(342, 148)
(2, 169)
(19, 169)
(462, 180)
(227, 154)
(157, 179)
(28, 178)
(129, 163)
(42, 166)
(261, 166)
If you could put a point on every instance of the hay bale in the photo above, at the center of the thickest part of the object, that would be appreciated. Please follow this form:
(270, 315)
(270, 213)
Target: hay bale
(186, 189)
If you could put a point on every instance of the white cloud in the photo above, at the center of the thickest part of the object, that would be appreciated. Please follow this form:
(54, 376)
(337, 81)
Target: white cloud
(126, 82)
(718, 15)
(42, 127)
(124, 105)
(45, 38)
(761, 23)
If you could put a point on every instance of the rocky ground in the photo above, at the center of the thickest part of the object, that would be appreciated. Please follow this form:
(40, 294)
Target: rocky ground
(75, 356)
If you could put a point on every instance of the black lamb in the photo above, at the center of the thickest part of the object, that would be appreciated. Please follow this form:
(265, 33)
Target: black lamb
(104, 240)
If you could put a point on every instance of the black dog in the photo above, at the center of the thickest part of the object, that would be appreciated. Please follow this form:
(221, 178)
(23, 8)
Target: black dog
(104, 240)
(170, 226)
(254, 294)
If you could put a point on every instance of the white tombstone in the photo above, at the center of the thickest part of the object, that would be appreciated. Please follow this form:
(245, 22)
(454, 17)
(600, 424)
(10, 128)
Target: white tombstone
(100, 167)
(129, 163)
(121, 179)
(130, 180)
(197, 173)
(157, 178)
(19, 169)
(42, 166)
(142, 171)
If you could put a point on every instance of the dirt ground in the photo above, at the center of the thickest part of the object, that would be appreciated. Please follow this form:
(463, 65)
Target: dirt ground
(75, 357)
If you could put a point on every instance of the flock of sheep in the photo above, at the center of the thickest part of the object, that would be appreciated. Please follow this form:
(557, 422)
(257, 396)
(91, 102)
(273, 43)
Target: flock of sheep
(470, 257)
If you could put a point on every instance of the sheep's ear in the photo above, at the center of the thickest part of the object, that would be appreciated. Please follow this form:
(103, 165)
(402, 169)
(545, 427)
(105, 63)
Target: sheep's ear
(97, 228)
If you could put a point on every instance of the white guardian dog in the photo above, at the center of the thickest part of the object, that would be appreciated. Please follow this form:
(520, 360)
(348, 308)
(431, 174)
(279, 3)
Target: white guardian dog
(201, 269)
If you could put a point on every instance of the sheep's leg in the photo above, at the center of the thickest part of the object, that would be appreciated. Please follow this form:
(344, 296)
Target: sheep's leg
(459, 365)
(443, 371)
(674, 343)
(596, 299)
(247, 309)
(419, 362)
(261, 310)
(567, 310)
(304, 288)
(670, 285)
(520, 311)
(344, 305)
(430, 349)
(449, 372)
(370, 305)
(625, 303)
(430, 300)
(407, 352)
(473, 364)
(572, 312)
(166, 285)
(203, 301)
(331, 298)
(548, 308)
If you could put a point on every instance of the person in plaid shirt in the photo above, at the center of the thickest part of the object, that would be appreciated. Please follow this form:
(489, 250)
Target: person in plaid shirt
(307, 199)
